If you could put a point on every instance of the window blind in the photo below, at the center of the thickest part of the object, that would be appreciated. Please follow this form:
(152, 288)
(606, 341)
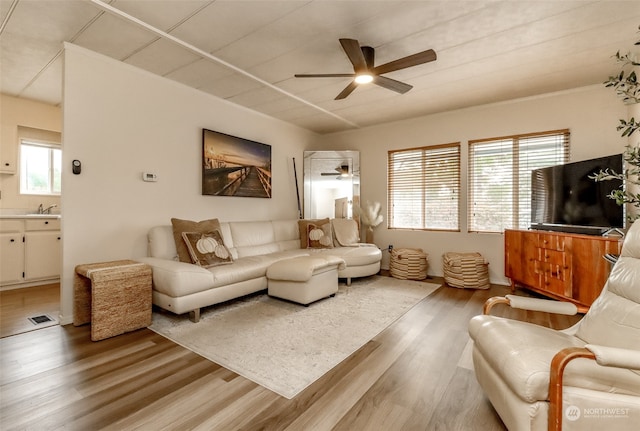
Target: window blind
(424, 188)
(500, 177)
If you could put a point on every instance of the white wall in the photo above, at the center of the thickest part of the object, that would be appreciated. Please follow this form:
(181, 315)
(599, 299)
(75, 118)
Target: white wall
(15, 112)
(120, 121)
(591, 114)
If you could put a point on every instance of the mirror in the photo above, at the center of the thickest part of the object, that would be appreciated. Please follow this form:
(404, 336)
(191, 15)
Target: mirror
(331, 183)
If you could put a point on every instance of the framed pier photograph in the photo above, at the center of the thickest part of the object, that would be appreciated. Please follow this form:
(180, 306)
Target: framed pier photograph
(233, 166)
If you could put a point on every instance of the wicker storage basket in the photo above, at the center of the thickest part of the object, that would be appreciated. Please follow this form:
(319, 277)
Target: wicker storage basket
(408, 264)
(465, 270)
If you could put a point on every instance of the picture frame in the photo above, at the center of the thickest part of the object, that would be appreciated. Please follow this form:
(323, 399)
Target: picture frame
(233, 166)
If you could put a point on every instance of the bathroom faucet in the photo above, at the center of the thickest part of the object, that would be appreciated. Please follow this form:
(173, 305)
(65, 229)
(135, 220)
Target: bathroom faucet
(46, 210)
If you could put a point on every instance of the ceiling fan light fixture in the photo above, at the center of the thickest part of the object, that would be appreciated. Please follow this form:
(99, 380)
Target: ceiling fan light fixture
(364, 78)
(365, 71)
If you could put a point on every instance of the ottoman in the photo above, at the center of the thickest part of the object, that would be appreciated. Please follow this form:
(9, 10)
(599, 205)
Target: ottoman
(304, 279)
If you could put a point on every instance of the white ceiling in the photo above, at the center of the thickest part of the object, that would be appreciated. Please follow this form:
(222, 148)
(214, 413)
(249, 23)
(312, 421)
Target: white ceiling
(248, 51)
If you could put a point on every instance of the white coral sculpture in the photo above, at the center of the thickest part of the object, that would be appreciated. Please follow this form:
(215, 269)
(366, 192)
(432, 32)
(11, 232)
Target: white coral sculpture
(370, 214)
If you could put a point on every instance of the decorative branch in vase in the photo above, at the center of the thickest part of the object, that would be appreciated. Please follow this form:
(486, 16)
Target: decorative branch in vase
(370, 217)
(627, 88)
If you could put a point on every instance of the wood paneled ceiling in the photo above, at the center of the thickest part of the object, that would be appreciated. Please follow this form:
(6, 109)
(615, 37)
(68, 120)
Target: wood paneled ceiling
(248, 51)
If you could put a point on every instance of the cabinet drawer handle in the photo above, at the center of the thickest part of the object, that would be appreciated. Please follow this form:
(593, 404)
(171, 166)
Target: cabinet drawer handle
(58, 238)
(13, 240)
(46, 222)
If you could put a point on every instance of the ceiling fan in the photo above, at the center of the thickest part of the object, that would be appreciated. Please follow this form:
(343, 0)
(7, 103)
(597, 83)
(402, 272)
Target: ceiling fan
(365, 72)
(340, 172)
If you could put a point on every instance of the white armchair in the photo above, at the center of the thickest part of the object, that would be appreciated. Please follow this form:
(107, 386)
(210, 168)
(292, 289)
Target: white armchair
(586, 377)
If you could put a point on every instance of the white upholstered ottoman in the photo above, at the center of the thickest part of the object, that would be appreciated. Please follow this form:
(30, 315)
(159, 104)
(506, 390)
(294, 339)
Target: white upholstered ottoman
(304, 279)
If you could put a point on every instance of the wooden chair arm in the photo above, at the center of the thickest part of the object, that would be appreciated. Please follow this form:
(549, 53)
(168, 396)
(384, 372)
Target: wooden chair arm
(489, 303)
(556, 374)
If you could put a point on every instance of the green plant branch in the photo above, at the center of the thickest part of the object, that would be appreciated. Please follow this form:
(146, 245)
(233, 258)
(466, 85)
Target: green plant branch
(628, 127)
(626, 84)
(629, 176)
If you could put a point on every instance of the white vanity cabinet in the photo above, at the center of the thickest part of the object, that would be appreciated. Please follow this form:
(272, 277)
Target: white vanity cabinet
(8, 157)
(31, 250)
(11, 251)
(42, 251)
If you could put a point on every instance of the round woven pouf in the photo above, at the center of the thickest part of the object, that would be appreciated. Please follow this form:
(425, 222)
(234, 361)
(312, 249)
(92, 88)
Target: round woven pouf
(408, 264)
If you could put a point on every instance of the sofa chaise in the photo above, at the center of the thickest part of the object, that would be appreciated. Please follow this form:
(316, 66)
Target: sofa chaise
(254, 246)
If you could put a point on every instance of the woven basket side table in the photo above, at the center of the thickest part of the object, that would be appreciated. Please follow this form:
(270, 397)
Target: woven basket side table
(408, 264)
(115, 297)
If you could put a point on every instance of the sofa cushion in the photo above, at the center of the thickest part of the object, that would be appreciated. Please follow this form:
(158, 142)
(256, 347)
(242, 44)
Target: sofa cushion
(207, 249)
(176, 279)
(315, 233)
(287, 234)
(161, 243)
(614, 318)
(247, 268)
(180, 226)
(522, 360)
(364, 254)
(251, 238)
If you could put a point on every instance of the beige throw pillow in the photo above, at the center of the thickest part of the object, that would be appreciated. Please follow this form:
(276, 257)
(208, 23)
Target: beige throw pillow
(180, 226)
(207, 249)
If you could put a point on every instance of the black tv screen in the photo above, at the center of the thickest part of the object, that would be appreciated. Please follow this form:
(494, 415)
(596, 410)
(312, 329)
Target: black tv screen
(564, 197)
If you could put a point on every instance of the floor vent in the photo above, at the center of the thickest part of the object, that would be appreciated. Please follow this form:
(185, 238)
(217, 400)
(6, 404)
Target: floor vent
(37, 320)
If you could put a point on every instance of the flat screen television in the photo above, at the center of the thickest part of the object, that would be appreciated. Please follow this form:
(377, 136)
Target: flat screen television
(564, 198)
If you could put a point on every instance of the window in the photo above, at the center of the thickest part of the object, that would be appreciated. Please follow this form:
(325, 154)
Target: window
(424, 188)
(500, 177)
(40, 168)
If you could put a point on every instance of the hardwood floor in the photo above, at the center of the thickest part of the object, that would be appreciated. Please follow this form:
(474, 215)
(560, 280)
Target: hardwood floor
(17, 305)
(414, 375)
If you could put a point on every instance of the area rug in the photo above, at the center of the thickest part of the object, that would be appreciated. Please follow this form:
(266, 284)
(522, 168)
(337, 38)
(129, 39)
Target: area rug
(284, 346)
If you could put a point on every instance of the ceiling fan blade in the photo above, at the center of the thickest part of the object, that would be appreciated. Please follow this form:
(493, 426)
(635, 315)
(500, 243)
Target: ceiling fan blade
(404, 62)
(352, 49)
(324, 75)
(347, 90)
(392, 84)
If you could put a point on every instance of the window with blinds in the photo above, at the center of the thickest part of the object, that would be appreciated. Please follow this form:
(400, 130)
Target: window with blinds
(500, 177)
(424, 188)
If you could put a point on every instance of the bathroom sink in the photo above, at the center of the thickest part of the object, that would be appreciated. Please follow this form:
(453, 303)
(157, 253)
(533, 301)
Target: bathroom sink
(36, 216)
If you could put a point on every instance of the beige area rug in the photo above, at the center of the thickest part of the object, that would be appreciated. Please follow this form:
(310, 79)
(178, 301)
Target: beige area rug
(284, 346)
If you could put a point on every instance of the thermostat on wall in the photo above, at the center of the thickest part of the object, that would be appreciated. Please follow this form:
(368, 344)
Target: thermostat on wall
(146, 176)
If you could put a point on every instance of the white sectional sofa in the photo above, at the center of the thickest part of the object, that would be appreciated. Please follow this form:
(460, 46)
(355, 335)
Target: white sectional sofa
(182, 287)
